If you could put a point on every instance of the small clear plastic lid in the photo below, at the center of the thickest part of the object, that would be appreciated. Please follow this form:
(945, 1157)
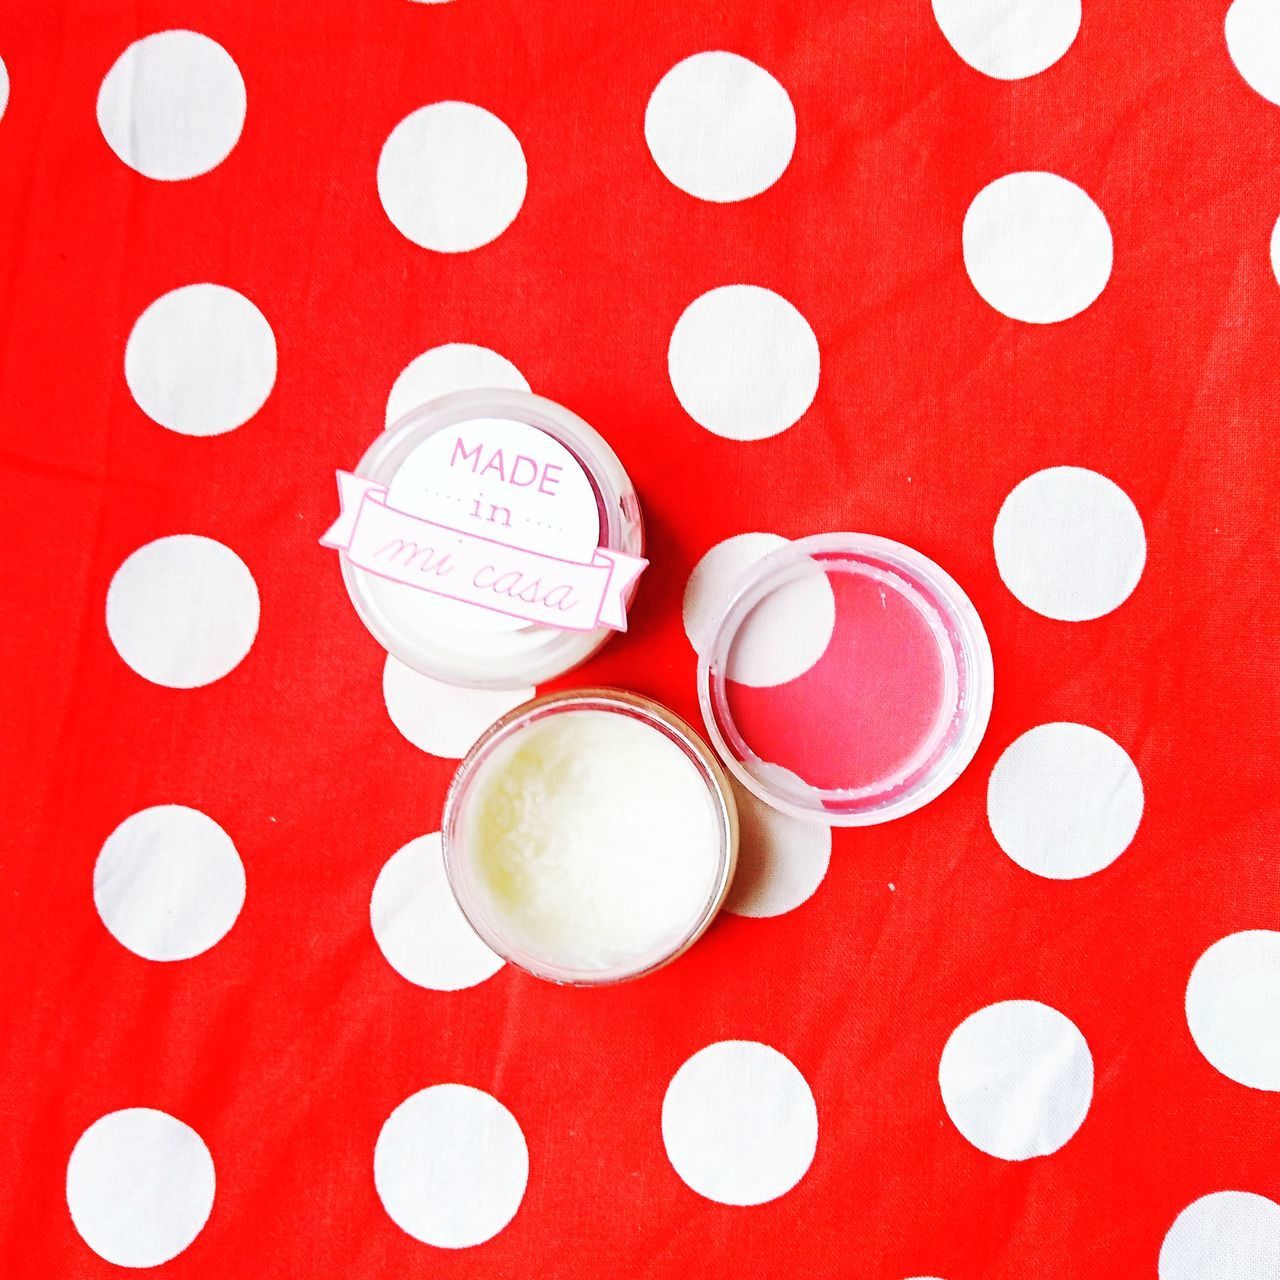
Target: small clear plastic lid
(595, 504)
(848, 679)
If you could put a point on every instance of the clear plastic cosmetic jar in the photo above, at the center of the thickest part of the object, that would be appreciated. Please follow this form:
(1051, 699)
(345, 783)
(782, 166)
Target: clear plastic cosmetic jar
(590, 836)
(891, 697)
(532, 474)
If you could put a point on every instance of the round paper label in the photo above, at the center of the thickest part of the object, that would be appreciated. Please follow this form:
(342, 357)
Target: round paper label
(506, 481)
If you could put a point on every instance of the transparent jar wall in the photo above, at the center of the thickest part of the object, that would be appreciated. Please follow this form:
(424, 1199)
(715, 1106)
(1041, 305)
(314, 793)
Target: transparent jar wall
(462, 876)
(470, 655)
(892, 705)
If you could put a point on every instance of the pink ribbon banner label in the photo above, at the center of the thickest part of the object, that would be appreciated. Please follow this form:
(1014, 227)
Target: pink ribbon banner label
(456, 565)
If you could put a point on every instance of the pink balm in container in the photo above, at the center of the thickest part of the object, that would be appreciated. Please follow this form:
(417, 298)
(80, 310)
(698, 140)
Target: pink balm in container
(887, 716)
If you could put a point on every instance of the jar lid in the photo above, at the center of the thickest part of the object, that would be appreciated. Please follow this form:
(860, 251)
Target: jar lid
(489, 515)
(847, 679)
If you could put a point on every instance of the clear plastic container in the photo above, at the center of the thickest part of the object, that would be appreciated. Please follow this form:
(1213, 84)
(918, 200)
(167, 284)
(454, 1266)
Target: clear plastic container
(478, 904)
(460, 643)
(893, 704)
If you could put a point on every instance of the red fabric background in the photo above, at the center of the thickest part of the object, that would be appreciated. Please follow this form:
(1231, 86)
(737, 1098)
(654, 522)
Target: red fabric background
(287, 1045)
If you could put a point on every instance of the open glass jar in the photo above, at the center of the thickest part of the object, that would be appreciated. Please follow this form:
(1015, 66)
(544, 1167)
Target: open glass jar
(507, 469)
(590, 836)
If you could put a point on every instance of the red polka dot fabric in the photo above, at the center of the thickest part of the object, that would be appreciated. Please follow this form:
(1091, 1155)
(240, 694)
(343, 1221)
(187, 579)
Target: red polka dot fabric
(994, 278)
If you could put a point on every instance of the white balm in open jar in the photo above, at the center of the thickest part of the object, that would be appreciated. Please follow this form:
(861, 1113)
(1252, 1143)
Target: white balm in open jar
(590, 836)
(506, 471)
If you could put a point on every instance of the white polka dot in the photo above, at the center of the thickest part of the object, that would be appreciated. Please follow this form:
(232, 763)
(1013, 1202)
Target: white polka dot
(1275, 251)
(456, 366)
(442, 719)
(1017, 1079)
(1253, 40)
(720, 127)
(1064, 801)
(168, 883)
(781, 859)
(1069, 544)
(1036, 247)
(743, 362)
(452, 177)
(783, 636)
(1233, 1007)
(739, 1123)
(4, 88)
(172, 106)
(139, 1186)
(1009, 39)
(451, 1166)
(201, 360)
(1228, 1235)
(182, 611)
(419, 926)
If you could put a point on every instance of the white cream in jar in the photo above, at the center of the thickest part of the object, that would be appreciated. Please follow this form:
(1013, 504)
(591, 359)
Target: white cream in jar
(590, 836)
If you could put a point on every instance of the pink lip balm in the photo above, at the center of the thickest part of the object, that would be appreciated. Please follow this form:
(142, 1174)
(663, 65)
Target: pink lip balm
(889, 714)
